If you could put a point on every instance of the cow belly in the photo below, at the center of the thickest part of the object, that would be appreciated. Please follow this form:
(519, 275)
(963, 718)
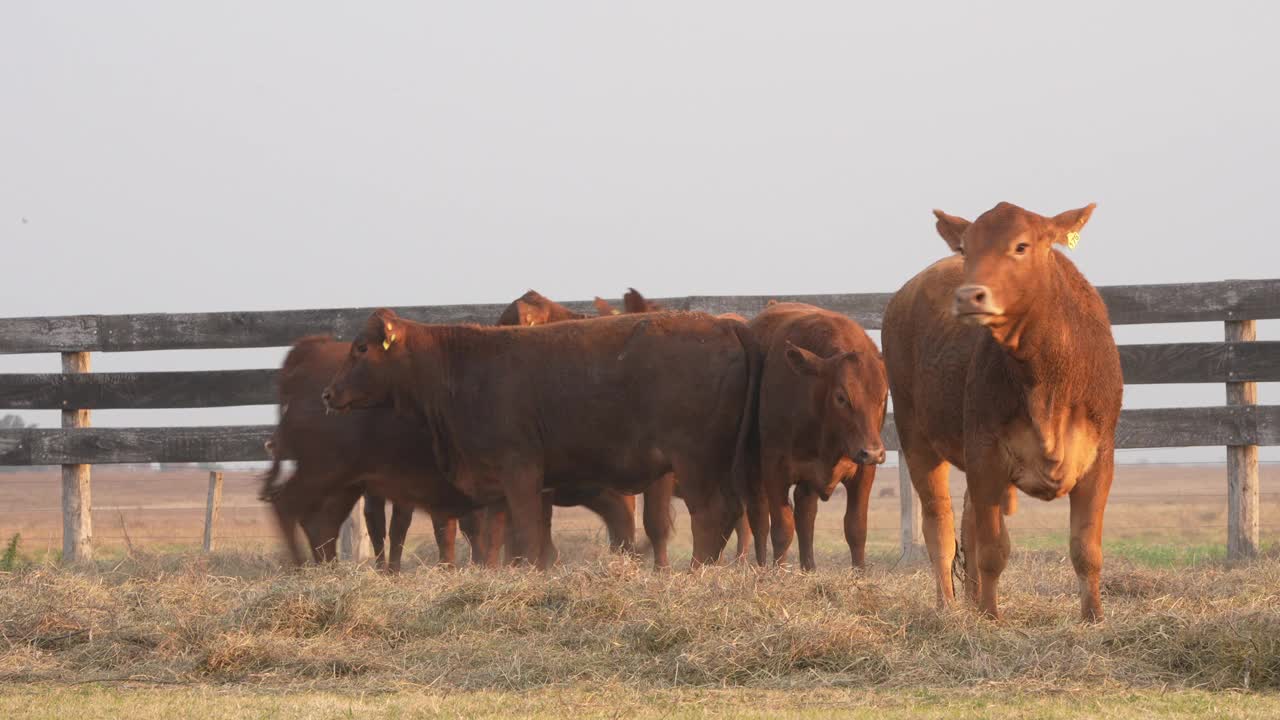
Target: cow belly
(1048, 474)
(626, 470)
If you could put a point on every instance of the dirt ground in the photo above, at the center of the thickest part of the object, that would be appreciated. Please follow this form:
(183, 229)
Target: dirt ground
(1179, 507)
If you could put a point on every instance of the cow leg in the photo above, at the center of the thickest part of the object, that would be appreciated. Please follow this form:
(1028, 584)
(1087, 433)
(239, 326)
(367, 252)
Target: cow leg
(782, 524)
(495, 533)
(322, 526)
(757, 515)
(401, 519)
(488, 527)
(549, 554)
(711, 514)
(375, 519)
(618, 511)
(1088, 501)
(929, 477)
(473, 528)
(658, 522)
(968, 531)
(991, 540)
(293, 503)
(857, 490)
(445, 529)
(523, 490)
(743, 530)
(806, 514)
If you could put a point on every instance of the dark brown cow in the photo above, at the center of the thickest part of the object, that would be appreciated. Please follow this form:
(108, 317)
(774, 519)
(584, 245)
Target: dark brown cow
(614, 402)
(339, 456)
(615, 509)
(822, 406)
(1002, 363)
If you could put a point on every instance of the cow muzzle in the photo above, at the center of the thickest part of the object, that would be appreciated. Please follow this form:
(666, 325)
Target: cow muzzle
(975, 303)
(331, 406)
(869, 456)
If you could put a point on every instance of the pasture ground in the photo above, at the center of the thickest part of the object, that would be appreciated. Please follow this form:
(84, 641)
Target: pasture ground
(155, 629)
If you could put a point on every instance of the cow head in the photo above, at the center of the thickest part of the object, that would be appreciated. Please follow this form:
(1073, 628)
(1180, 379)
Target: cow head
(378, 355)
(850, 391)
(1008, 255)
(603, 308)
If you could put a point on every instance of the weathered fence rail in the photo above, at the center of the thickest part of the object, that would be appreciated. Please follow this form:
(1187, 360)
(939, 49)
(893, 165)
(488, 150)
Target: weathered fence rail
(1239, 362)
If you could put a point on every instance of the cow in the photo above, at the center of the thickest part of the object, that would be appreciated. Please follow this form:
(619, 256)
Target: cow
(822, 406)
(1002, 363)
(338, 457)
(533, 308)
(617, 510)
(375, 452)
(657, 498)
(612, 402)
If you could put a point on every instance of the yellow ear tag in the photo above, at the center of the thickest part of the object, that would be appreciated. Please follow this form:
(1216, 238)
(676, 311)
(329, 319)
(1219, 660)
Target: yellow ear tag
(386, 344)
(614, 311)
(1073, 239)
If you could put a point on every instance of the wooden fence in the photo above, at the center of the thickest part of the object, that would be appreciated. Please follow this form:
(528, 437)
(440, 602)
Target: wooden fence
(1241, 425)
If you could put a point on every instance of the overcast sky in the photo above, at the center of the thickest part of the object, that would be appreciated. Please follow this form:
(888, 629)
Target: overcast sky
(165, 156)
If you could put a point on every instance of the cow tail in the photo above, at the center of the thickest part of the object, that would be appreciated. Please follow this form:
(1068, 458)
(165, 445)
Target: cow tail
(747, 445)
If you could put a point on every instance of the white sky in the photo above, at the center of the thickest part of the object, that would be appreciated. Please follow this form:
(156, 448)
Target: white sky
(163, 157)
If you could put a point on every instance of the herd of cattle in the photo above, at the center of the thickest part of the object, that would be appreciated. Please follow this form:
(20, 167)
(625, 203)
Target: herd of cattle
(999, 359)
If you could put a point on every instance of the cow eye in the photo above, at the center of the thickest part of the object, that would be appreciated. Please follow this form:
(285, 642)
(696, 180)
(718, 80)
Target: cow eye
(841, 400)
(1021, 248)
(362, 348)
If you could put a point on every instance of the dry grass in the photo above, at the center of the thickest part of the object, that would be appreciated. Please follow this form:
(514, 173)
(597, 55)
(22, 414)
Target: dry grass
(241, 619)
(1158, 514)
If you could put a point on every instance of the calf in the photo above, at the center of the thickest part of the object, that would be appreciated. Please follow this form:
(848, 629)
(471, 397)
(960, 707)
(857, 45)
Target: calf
(614, 402)
(822, 406)
(1001, 362)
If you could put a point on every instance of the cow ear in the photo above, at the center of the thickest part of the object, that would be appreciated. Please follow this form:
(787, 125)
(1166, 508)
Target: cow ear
(951, 228)
(387, 328)
(603, 308)
(1068, 225)
(802, 361)
(634, 302)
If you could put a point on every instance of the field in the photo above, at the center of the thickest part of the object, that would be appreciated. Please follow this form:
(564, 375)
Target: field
(155, 628)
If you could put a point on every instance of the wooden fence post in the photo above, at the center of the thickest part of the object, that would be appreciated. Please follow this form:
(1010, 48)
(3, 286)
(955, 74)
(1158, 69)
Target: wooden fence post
(1242, 463)
(353, 540)
(911, 536)
(211, 508)
(77, 520)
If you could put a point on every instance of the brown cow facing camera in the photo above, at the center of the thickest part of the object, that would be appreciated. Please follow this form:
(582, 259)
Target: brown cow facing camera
(822, 407)
(612, 402)
(1002, 363)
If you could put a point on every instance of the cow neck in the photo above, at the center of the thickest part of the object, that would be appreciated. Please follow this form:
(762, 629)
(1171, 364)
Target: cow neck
(1040, 349)
(429, 358)
(1040, 339)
